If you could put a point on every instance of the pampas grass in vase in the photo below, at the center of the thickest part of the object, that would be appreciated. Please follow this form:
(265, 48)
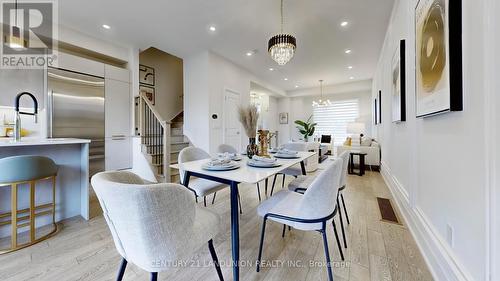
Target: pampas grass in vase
(248, 116)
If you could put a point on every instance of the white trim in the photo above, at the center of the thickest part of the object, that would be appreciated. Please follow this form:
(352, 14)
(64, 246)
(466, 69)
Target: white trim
(224, 112)
(440, 259)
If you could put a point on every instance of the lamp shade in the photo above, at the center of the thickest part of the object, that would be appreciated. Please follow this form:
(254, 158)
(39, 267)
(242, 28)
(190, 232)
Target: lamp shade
(356, 128)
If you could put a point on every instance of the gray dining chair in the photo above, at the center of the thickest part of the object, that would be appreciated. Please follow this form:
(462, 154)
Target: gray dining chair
(154, 225)
(310, 211)
(294, 171)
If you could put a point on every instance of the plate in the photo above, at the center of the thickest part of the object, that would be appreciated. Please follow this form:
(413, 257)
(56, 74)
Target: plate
(263, 165)
(220, 168)
(286, 156)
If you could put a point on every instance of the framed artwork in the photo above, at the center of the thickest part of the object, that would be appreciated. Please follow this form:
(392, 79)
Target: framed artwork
(438, 50)
(283, 118)
(399, 84)
(146, 75)
(375, 111)
(379, 107)
(149, 92)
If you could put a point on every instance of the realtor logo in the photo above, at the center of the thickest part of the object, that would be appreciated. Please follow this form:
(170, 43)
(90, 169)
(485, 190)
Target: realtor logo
(29, 34)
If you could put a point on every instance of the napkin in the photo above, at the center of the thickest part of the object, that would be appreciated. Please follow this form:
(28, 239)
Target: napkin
(219, 162)
(226, 155)
(287, 151)
(263, 159)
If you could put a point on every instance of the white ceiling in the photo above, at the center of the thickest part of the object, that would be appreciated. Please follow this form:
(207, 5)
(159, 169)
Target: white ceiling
(180, 27)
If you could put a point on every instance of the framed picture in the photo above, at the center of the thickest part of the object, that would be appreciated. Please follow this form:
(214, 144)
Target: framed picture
(375, 111)
(399, 84)
(149, 92)
(379, 107)
(283, 118)
(146, 75)
(438, 50)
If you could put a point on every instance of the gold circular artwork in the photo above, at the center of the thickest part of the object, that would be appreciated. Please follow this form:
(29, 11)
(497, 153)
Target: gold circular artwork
(433, 47)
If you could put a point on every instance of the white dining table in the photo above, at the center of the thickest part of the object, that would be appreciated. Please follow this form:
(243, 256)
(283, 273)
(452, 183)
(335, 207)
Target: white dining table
(243, 174)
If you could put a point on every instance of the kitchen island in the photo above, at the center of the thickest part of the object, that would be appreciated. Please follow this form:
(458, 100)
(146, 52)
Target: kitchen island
(72, 188)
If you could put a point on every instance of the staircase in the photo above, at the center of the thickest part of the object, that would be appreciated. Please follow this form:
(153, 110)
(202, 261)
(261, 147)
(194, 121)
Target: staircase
(161, 140)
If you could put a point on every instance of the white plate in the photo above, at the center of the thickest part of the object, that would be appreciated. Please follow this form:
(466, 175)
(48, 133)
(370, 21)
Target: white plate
(263, 165)
(286, 156)
(230, 166)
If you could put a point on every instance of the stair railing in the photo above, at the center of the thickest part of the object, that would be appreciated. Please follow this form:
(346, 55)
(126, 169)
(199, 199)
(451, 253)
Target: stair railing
(155, 135)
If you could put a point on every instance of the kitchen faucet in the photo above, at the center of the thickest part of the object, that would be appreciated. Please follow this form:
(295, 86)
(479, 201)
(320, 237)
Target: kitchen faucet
(17, 125)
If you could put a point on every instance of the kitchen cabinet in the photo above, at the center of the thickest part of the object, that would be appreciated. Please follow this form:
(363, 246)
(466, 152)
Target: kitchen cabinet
(118, 153)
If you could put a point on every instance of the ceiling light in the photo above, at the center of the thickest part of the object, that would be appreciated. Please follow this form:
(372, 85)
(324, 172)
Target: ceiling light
(321, 102)
(249, 54)
(271, 69)
(344, 23)
(348, 51)
(281, 47)
(286, 79)
(14, 40)
(212, 28)
(296, 86)
(352, 78)
(349, 67)
(106, 26)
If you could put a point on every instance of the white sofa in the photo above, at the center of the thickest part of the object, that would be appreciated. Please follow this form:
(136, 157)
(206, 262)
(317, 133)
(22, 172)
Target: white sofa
(373, 153)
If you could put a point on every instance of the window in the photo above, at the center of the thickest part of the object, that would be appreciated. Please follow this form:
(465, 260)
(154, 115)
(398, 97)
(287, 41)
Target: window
(333, 119)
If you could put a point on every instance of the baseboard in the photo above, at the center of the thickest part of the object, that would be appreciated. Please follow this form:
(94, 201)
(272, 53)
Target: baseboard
(440, 259)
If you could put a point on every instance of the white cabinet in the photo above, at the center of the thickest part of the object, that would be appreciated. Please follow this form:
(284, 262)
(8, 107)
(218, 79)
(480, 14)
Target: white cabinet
(118, 153)
(116, 73)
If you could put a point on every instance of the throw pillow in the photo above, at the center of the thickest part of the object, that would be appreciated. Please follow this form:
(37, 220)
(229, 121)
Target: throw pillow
(347, 142)
(366, 141)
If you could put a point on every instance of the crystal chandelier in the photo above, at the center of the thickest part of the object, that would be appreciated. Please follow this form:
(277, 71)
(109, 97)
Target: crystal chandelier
(282, 47)
(321, 102)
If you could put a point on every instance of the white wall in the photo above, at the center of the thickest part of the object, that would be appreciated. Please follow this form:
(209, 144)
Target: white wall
(206, 76)
(435, 166)
(300, 107)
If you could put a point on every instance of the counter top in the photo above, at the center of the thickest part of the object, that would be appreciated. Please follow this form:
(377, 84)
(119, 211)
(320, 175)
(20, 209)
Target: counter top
(27, 141)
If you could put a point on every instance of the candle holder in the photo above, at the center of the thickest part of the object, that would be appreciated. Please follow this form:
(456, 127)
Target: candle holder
(263, 142)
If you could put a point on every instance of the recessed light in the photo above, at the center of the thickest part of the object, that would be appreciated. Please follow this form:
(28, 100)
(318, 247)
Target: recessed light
(344, 23)
(286, 79)
(249, 54)
(106, 26)
(348, 51)
(349, 67)
(271, 69)
(296, 86)
(352, 78)
(212, 28)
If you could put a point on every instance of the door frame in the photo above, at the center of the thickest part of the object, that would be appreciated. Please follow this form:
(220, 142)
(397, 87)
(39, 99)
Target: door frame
(224, 115)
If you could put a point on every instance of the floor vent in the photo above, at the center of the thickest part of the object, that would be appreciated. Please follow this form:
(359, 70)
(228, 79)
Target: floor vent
(387, 211)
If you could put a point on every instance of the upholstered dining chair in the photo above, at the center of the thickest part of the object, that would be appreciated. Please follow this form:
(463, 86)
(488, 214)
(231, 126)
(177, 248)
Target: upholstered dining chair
(309, 211)
(294, 171)
(154, 225)
(223, 148)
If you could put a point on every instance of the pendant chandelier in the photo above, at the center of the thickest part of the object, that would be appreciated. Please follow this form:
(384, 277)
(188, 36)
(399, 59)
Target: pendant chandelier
(321, 102)
(281, 47)
(14, 41)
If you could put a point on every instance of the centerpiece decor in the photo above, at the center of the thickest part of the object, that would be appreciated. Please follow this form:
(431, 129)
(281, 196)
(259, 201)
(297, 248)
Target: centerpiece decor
(248, 117)
(306, 128)
(263, 142)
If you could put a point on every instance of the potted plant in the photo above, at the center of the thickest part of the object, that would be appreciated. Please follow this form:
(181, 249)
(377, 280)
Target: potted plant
(306, 128)
(248, 117)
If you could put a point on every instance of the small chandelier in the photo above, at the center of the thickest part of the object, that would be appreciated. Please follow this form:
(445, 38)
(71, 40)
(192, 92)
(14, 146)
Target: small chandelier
(282, 47)
(14, 41)
(321, 102)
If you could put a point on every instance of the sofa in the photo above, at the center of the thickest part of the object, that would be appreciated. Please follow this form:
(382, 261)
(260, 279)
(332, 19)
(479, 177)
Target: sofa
(371, 148)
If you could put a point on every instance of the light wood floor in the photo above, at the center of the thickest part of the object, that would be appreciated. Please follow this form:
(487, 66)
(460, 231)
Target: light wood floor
(84, 250)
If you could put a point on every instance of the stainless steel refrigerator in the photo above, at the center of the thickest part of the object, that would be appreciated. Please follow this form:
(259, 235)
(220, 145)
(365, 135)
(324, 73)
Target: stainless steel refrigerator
(76, 110)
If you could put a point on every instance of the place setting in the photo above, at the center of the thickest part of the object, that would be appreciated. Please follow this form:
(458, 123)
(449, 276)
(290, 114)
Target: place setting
(263, 162)
(221, 164)
(286, 154)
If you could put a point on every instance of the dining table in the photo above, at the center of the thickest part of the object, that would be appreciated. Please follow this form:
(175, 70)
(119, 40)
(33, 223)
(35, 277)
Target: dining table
(243, 174)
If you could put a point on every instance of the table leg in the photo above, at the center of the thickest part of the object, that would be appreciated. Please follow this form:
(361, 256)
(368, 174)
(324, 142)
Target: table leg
(350, 169)
(235, 230)
(267, 182)
(303, 167)
(362, 164)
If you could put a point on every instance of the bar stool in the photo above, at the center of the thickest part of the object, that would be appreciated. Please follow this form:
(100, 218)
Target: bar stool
(18, 170)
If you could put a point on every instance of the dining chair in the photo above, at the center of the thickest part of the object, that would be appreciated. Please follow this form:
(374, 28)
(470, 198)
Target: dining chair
(309, 211)
(223, 148)
(343, 183)
(294, 171)
(200, 187)
(154, 226)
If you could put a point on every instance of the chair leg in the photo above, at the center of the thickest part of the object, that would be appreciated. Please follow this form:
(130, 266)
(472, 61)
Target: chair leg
(121, 271)
(341, 223)
(274, 181)
(215, 259)
(283, 233)
(213, 199)
(258, 191)
(259, 258)
(327, 253)
(345, 209)
(338, 240)
(239, 202)
(154, 276)
(196, 198)
(205, 201)
(283, 182)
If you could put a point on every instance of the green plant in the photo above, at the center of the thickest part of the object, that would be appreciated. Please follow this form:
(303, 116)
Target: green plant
(306, 128)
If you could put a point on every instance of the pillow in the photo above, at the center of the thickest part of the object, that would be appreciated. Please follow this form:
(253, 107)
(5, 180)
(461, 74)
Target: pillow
(326, 138)
(375, 144)
(366, 141)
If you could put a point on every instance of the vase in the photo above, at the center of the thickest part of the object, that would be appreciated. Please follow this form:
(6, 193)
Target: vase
(263, 143)
(252, 148)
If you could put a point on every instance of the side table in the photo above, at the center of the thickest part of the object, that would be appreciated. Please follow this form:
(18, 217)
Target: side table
(361, 156)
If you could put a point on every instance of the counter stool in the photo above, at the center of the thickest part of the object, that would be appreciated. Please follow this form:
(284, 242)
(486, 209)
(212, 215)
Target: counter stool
(19, 170)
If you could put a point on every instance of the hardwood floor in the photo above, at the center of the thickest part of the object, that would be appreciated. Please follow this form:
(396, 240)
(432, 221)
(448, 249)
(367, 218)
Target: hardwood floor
(84, 250)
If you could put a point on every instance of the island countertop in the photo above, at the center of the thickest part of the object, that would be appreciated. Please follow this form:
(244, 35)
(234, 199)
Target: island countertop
(32, 141)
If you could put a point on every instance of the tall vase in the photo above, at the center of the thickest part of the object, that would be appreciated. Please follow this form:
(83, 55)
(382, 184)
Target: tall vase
(252, 148)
